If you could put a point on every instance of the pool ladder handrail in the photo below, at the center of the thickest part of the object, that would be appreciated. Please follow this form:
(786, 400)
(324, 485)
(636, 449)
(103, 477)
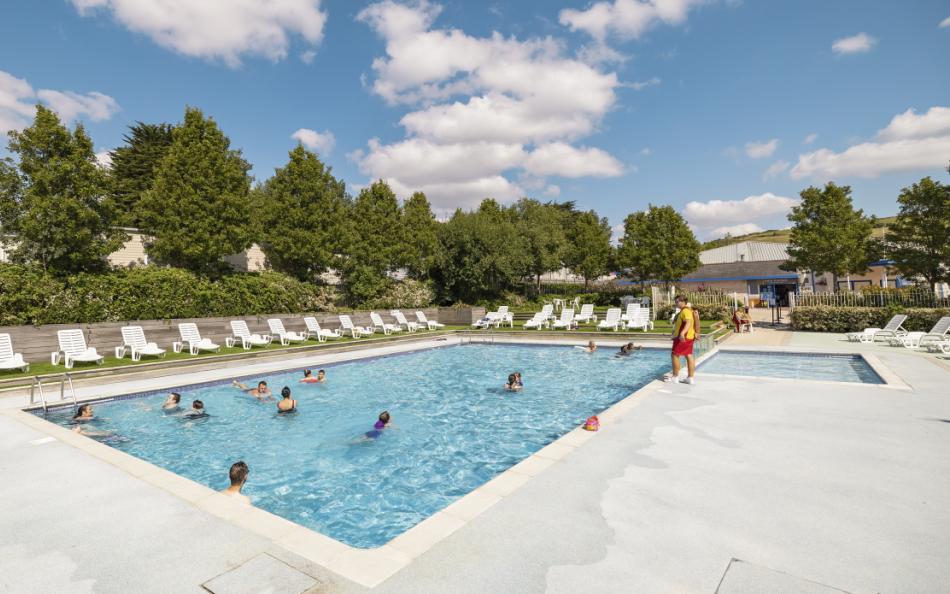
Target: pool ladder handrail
(37, 385)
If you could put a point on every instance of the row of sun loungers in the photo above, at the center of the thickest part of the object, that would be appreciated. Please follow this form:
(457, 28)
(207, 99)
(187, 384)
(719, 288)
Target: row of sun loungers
(894, 334)
(73, 347)
(636, 317)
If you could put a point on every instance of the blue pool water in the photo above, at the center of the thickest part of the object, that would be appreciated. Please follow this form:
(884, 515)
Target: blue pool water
(808, 366)
(455, 429)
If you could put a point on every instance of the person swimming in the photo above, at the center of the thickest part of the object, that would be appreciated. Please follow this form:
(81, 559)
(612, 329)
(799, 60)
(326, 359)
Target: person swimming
(83, 413)
(629, 349)
(590, 348)
(238, 476)
(378, 427)
(286, 404)
(261, 392)
(514, 382)
(308, 377)
(197, 410)
(172, 402)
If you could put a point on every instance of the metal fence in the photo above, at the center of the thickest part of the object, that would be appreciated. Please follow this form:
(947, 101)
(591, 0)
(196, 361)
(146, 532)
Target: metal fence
(921, 297)
(665, 297)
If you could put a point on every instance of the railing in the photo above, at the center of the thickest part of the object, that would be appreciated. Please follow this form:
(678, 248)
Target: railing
(903, 298)
(37, 388)
(665, 297)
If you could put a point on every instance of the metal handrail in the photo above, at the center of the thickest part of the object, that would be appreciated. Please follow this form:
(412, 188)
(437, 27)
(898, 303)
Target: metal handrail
(37, 386)
(33, 386)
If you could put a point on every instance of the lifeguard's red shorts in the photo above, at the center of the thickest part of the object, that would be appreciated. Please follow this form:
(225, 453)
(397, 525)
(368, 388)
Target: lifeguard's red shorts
(681, 348)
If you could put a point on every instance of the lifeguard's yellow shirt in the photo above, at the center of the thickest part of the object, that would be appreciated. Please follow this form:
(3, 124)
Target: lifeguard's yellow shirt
(685, 314)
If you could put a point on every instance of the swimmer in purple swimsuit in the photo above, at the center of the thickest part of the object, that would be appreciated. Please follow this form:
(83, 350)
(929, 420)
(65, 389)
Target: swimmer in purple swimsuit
(378, 427)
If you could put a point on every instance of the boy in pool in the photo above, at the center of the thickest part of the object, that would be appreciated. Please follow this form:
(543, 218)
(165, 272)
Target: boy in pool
(514, 382)
(238, 476)
(308, 377)
(172, 402)
(286, 403)
(261, 392)
(197, 409)
(590, 348)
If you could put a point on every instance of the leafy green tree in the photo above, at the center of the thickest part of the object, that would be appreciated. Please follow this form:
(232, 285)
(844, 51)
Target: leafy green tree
(376, 247)
(134, 166)
(919, 240)
(421, 234)
(542, 227)
(197, 209)
(52, 202)
(658, 245)
(828, 234)
(589, 251)
(482, 253)
(301, 212)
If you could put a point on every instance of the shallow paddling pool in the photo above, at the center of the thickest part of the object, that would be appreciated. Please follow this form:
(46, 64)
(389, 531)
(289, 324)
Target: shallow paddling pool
(455, 429)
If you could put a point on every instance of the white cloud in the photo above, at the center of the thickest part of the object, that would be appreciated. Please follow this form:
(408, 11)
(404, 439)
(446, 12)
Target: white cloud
(945, 23)
(775, 169)
(18, 98)
(308, 56)
(811, 138)
(711, 217)
(909, 142)
(616, 234)
(319, 142)
(558, 158)
(626, 19)
(761, 150)
(741, 229)
(222, 30)
(481, 108)
(862, 42)
(104, 158)
(640, 85)
(553, 191)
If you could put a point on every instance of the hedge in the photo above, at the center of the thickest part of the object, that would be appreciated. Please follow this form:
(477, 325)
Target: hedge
(30, 296)
(706, 312)
(855, 319)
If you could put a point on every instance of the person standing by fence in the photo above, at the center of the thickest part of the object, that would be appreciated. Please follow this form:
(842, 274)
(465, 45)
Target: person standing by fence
(684, 334)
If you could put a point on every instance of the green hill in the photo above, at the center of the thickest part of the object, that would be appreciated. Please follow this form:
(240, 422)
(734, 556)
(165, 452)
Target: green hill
(780, 235)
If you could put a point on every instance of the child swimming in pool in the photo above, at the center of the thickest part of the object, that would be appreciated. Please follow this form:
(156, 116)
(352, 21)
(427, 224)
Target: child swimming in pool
(590, 348)
(172, 402)
(261, 392)
(308, 377)
(381, 423)
(286, 403)
(197, 410)
(514, 382)
(83, 413)
(628, 349)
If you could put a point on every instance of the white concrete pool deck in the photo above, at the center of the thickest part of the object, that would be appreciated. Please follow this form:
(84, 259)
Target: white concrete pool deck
(810, 485)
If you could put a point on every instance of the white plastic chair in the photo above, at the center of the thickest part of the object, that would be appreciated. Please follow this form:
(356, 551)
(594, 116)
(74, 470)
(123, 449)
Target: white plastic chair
(612, 321)
(430, 324)
(505, 317)
(641, 320)
(322, 334)
(386, 327)
(892, 329)
(72, 344)
(277, 329)
(133, 339)
(356, 331)
(190, 336)
(240, 331)
(566, 321)
(403, 322)
(631, 313)
(587, 314)
(9, 359)
(540, 320)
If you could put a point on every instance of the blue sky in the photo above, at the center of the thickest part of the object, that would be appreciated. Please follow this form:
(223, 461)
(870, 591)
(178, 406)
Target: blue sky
(723, 109)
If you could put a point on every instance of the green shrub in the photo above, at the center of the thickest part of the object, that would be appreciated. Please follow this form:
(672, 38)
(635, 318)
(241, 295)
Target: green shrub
(709, 313)
(408, 294)
(29, 296)
(854, 319)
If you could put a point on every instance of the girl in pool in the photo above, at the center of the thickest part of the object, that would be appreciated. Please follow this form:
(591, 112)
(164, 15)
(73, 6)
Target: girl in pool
(382, 423)
(514, 382)
(286, 403)
(83, 414)
(308, 377)
(172, 402)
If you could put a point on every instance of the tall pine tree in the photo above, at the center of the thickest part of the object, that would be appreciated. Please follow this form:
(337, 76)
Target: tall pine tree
(376, 245)
(197, 209)
(421, 235)
(133, 168)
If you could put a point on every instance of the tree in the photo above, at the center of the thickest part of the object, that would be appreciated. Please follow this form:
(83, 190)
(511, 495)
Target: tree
(482, 253)
(658, 245)
(52, 201)
(377, 243)
(542, 227)
(197, 209)
(589, 251)
(828, 234)
(421, 234)
(133, 168)
(919, 240)
(301, 212)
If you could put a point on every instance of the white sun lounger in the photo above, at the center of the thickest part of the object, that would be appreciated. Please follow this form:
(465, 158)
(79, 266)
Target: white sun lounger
(566, 321)
(190, 336)
(937, 334)
(403, 322)
(386, 327)
(612, 321)
(641, 320)
(631, 313)
(587, 314)
(430, 324)
(891, 329)
(322, 334)
(505, 317)
(240, 332)
(540, 320)
(492, 318)
(72, 344)
(133, 339)
(355, 331)
(915, 340)
(9, 359)
(548, 310)
(277, 329)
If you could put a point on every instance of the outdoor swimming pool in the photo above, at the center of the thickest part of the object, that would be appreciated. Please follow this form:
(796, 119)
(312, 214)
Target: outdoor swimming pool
(456, 428)
(807, 366)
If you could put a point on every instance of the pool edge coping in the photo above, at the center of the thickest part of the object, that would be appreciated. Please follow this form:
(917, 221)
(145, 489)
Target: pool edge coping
(366, 567)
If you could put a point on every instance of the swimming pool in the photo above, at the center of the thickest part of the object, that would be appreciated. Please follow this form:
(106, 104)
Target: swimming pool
(807, 366)
(456, 428)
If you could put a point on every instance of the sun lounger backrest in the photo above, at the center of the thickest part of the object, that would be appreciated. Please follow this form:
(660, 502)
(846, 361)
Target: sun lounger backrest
(276, 326)
(895, 323)
(941, 327)
(421, 316)
(189, 332)
(6, 347)
(377, 319)
(547, 308)
(133, 336)
(503, 310)
(632, 308)
(71, 341)
(312, 324)
(587, 309)
(346, 322)
(239, 328)
(567, 314)
(613, 315)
